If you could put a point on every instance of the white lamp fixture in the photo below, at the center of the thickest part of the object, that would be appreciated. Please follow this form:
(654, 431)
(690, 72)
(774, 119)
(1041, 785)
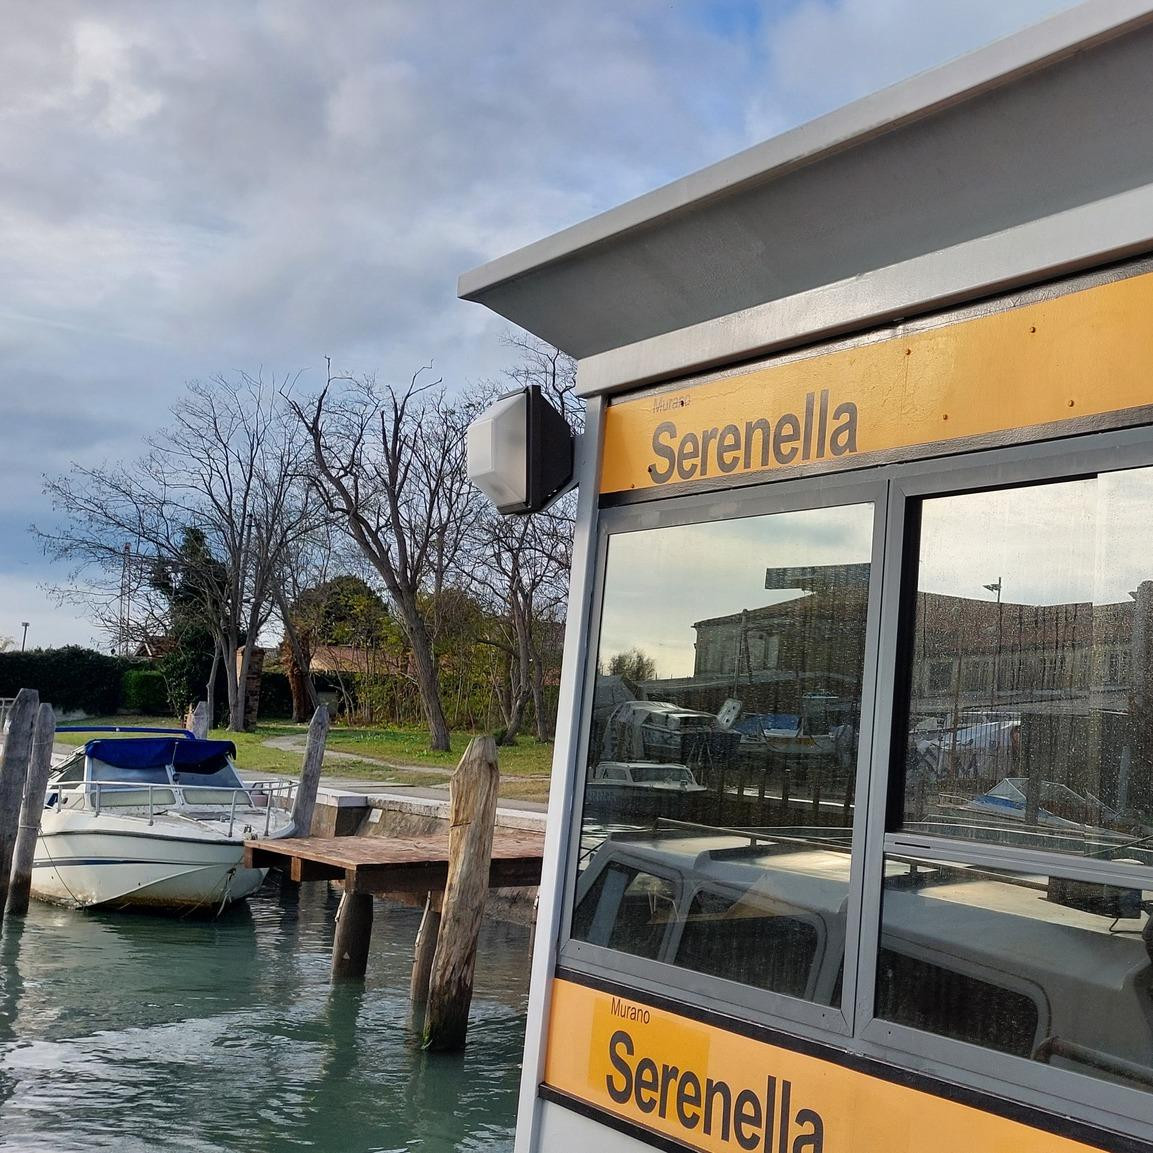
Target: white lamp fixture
(520, 452)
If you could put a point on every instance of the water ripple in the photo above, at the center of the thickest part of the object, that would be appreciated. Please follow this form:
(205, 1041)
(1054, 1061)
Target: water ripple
(147, 1035)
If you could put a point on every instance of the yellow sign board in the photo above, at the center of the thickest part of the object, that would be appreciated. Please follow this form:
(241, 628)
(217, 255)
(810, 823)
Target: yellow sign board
(720, 1092)
(1083, 354)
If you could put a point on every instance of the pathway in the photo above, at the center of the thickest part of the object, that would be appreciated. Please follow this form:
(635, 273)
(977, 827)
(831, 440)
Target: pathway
(296, 744)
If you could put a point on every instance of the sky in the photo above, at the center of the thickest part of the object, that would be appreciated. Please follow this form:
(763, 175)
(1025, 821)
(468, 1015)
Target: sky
(660, 582)
(194, 189)
(1083, 541)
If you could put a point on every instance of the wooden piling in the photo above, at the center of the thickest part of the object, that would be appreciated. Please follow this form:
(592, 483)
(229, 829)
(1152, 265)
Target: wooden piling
(13, 774)
(353, 933)
(197, 720)
(426, 940)
(35, 787)
(472, 815)
(305, 803)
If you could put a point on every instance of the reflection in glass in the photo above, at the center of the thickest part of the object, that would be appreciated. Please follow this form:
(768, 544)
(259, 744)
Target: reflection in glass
(719, 795)
(1030, 718)
(1038, 966)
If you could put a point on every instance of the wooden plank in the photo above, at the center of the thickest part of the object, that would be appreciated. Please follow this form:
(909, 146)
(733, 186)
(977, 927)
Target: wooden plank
(350, 852)
(383, 879)
(383, 865)
(305, 870)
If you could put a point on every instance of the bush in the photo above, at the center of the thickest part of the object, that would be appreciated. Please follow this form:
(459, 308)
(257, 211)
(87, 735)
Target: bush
(275, 697)
(145, 691)
(71, 679)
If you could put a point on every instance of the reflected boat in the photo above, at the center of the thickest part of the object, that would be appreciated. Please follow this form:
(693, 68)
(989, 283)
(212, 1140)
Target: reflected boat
(1058, 805)
(155, 821)
(643, 790)
(666, 732)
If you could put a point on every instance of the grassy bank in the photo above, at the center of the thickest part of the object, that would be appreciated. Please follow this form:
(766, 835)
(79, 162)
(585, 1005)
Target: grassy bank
(393, 756)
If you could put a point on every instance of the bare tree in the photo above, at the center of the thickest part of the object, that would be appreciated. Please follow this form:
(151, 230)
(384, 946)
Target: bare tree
(229, 468)
(522, 563)
(306, 565)
(390, 464)
(523, 581)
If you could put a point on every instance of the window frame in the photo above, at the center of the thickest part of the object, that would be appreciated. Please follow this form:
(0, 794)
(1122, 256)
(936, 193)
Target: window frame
(780, 496)
(1044, 1085)
(854, 1029)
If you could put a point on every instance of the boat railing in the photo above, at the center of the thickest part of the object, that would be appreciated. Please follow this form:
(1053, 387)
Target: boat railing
(271, 796)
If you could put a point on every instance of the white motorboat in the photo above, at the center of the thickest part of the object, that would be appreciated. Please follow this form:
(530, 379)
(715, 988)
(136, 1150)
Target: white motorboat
(632, 790)
(157, 820)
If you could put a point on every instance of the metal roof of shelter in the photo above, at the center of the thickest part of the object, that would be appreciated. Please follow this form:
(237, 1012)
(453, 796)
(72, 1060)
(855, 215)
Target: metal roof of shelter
(1027, 159)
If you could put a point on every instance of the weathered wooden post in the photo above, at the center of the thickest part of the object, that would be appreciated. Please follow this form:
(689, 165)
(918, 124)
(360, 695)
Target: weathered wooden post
(35, 787)
(353, 933)
(13, 774)
(305, 803)
(472, 814)
(426, 939)
(197, 720)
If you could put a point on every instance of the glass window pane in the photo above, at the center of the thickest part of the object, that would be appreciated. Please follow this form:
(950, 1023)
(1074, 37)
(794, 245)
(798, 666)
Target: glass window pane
(144, 775)
(746, 940)
(1039, 966)
(723, 744)
(1030, 701)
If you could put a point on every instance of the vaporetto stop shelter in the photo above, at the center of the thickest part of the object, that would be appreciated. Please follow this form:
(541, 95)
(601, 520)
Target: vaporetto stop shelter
(851, 830)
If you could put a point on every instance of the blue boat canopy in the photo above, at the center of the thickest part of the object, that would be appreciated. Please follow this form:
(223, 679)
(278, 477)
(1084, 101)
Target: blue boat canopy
(158, 753)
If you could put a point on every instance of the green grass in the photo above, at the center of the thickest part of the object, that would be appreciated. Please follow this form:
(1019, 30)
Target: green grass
(529, 758)
(525, 768)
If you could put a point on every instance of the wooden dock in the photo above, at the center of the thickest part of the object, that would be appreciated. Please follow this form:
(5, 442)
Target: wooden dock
(448, 873)
(394, 865)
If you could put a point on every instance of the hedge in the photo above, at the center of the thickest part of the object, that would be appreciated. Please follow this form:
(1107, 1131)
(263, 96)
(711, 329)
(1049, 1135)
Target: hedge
(275, 697)
(145, 691)
(71, 679)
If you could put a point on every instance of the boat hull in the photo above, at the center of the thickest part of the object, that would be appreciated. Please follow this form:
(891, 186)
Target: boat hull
(116, 865)
(609, 800)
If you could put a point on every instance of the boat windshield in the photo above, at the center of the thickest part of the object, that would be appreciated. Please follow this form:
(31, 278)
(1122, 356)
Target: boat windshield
(222, 777)
(671, 774)
(128, 774)
(149, 762)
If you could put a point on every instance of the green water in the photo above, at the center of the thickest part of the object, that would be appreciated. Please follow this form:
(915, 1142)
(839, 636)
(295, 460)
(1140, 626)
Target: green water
(146, 1034)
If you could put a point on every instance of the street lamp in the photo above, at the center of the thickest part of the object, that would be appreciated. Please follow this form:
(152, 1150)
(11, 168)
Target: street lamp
(24, 638)
(995, 587)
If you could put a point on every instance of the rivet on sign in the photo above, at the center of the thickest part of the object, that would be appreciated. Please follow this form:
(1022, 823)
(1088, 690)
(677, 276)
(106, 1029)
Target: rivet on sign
(1032, 328)
(945, 416)
(908, 352)
(1070, 404)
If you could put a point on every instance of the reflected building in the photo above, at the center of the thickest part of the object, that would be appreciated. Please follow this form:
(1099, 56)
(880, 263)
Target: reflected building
(995, 655)
(811, 642)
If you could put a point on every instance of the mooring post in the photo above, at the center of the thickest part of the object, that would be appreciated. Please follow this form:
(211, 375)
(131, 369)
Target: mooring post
(472, 815)
(13, 774)
(197, 721)
(305, 804)
(35, 786)
(426, 939)
(353, 934)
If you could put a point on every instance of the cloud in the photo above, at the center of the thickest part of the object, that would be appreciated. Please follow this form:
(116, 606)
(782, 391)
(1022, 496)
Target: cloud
(823, 54)
(193, 189)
